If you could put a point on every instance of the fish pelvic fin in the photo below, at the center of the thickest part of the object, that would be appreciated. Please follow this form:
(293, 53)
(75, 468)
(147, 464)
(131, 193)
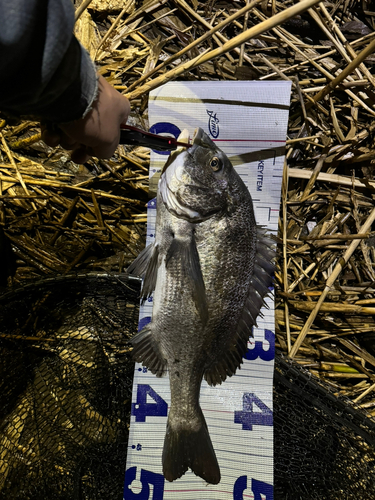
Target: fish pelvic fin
(146, 265)
(190, 448)
(236, 346)
(185, 250)
(147, 352)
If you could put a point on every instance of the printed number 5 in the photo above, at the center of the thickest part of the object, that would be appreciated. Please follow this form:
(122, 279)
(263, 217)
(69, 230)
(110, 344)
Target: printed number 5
(258, 488)
(147, 478)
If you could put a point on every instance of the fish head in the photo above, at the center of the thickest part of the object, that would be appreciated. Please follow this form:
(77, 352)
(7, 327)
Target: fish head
(195, 183)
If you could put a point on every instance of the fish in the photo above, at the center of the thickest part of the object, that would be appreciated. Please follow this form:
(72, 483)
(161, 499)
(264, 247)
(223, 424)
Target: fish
(209, 271)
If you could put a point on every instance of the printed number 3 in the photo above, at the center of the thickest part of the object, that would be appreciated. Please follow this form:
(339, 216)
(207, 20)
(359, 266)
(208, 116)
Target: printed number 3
(258, 488)
(259, 352)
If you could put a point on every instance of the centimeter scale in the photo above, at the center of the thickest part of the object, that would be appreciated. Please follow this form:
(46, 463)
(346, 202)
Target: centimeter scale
(248, 121)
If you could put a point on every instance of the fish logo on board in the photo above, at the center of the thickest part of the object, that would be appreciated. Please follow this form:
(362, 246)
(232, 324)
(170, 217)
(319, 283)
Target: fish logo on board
(213, 124)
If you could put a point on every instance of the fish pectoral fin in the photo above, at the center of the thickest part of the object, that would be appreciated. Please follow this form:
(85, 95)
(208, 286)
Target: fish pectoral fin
(186, 253)
(139, 265)
(236, 343)
(146, 265)
(147, 352)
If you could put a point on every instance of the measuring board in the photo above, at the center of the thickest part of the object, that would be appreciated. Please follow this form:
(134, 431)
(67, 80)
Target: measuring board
(248, 121)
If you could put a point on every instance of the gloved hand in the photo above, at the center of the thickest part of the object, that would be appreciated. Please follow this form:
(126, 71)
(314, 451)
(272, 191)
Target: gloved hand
(98, 133)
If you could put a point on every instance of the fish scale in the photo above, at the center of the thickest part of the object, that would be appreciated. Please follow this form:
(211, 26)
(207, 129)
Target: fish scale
(210, 267)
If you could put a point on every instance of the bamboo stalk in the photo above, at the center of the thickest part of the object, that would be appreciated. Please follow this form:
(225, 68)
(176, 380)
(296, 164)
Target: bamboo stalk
(331, 280)
(238, 40)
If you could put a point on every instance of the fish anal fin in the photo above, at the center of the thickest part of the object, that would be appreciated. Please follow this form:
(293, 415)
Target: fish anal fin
(185, 251)
(147, 352)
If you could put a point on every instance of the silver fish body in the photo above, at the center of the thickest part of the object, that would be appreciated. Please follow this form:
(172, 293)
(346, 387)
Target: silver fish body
(209, 268)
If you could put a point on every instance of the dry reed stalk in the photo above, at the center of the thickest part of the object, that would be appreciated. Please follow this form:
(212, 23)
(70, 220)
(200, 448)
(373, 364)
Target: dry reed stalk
(284, 194)
(332, 178)
(345, 72)
(114, 25)
(194, 43)
(13, 163)
(331, 280)
(333, 201)
(80, 10)
(235, 42)
(347, 45)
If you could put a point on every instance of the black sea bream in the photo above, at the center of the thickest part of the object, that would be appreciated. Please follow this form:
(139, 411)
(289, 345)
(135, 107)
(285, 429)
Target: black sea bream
(210, 268)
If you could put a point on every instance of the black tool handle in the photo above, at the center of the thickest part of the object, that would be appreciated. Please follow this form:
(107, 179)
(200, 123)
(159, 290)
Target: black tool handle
(141, 138)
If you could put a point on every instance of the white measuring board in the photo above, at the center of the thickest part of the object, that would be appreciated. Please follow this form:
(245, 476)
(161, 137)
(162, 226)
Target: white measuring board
(248, 121)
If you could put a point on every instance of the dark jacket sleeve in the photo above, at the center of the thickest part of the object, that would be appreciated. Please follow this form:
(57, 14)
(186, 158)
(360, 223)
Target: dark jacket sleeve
(44, 71)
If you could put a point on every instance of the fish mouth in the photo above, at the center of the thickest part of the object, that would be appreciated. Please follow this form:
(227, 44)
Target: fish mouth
(201, 139)
(197, 136)
(184, 137)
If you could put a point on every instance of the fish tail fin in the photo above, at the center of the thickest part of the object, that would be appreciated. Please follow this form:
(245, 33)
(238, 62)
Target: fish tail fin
(186, 447)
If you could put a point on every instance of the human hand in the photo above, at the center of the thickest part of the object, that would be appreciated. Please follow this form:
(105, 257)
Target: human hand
(98, 133)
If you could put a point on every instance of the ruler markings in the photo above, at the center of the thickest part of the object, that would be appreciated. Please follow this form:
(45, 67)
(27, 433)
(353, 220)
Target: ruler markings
(234, 409)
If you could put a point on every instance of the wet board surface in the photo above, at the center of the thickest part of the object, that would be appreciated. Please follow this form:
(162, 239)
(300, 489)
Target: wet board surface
(248, 121)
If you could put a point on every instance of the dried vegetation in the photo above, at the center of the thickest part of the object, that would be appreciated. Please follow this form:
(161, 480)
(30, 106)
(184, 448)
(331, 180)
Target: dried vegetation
(57, 217)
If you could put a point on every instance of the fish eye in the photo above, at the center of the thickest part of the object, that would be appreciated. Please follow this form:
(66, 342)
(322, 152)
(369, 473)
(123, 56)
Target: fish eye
(215, 164)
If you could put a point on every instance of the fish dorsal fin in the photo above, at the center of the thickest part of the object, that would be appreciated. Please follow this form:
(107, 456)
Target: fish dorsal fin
(185, 251)
(146, 265)
(147, 351)
(236, 345)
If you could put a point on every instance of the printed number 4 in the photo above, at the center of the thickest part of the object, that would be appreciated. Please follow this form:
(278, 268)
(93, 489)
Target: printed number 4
(248, 417)
(142, 409)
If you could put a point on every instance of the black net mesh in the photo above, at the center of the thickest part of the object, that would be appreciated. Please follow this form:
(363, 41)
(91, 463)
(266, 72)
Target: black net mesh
(324, 447)
(66, 380)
